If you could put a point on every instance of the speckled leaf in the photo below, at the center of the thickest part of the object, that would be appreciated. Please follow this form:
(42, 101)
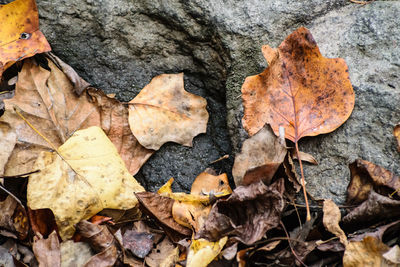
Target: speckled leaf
(202, 252)
(301, 90)
(367, 252)
(19, 33)
(91, 176)
(164, 112)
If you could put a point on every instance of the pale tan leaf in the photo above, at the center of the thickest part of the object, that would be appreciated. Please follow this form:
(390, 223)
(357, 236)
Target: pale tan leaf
(8, 139)
(202, 251)
(164, 112)
(367, 252)
(331, 220)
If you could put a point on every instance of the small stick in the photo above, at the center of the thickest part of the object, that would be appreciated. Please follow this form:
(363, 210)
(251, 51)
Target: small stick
(221, 158)
(290, 245)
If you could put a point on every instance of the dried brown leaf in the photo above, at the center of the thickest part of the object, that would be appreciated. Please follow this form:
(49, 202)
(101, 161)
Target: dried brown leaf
(164, 255)
(139, 243)
(304, 157)
(367, 252)
(396, 133)
(260, 157)
(331, 220)
(164, 112)
(366, 176)
(160, 209)
(393, 255)
(247, 214)
(47, 251)
(8, 139)
(13, 217)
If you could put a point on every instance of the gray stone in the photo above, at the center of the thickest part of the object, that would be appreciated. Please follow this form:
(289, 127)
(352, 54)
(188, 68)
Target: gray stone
(119, 45)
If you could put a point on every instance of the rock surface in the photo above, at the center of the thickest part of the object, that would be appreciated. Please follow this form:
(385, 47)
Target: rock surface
(119, 45)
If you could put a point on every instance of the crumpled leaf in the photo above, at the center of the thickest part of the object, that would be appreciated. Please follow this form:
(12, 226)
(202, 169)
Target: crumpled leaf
(366, 176)
(91, 176)
(304, 157)
(192, 214)
(202, 251)
(42, 221)
(164, 112)
(47, 251)
(331, 220)
(164, 255)
(75, 253)
(260, 157)
(372, 210)
(367, 252)
(160, 209)
(301, 90)
(139, 243)
(396, 133)
(8, 139)
(101, 241)
(247, 214)
(48, 101)
(19, 33)
(13, 217)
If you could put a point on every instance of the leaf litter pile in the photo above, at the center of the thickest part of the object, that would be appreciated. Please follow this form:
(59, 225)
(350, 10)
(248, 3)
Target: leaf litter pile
(69, 152)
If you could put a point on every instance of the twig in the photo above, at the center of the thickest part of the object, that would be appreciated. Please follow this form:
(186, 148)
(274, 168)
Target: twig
(290, 245)
(19, 175)
(362, 2)
(221, 158)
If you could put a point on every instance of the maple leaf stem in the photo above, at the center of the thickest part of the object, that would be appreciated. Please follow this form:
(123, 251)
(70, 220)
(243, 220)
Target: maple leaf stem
(303, 182)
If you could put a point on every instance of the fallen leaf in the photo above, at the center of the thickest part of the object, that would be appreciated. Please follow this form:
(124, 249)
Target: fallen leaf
(160, 209)
(42, 221)
(301, 90)
(304, 157)
(5, 257)
(19, 33)
(47, 251)
(396, 133)
(366, 176)
(202, 251)
(372, 210)
(101, 241)
(393, 255)
(13, 217)
(48, 101)
(290, 171)
(164, 112)
(367, 252)
(164, 255)
(391, 229)
(331, 220)
(139, 243)
(75, 253)
(193, 214)
(89, 177)
(247, 214)
(8, 139)
(260, 157)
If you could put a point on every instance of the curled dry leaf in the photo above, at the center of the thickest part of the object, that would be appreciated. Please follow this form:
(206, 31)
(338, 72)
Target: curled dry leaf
(19, 33)
(48, 101)
(101, 241)
(331, 220)
(13, 217)
(260, 157)
(164, 112)
(366, 176)
(160, 209)
(367, 252)
(304, 157)
(202, 252)
(247, 214)
(301, 90)
(73, 189)
(372, 210)
(47, 251)
(164, 255)
(396, 132)
(192, 214)
(393, 255)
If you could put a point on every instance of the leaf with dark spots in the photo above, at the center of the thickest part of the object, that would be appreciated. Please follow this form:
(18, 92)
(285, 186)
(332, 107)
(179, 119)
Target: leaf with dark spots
(367, 252)
(372, 210)
(160, 209)
(366, 176)
(13, 217)
(101, 241)
(47, 251)
(165, 254)
(139, 243)
(247, 214)
(260, 157)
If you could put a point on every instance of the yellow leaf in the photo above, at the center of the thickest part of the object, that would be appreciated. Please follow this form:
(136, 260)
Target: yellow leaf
(90, 177)
(202, 251)
(19, 33)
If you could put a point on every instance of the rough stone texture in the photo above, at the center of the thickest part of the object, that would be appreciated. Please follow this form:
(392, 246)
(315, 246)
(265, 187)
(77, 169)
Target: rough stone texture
(119, 45)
